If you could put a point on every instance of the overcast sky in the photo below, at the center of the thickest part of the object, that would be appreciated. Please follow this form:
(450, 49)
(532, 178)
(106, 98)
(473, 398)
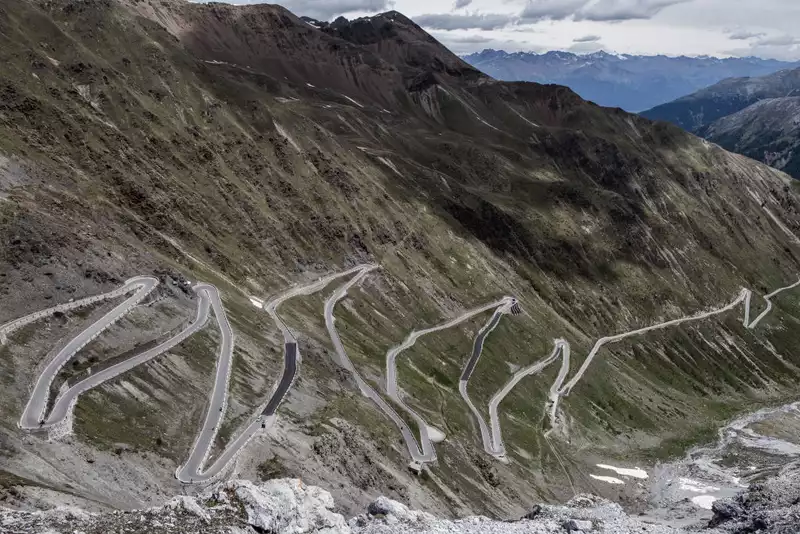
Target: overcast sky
(765, 28)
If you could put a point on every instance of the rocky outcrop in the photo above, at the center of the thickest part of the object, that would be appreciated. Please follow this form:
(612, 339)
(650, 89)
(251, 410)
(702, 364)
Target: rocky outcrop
(289, 506)
(771, 506)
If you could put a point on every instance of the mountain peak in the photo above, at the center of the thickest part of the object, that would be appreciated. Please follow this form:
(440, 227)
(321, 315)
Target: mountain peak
(402, 43)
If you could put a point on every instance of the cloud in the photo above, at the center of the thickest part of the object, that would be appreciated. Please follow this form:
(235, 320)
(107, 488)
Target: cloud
(536, 10)
(585, 48)
(744, 35)
(471, 39)
(475, 21)
(328, 9)
(779, 40)
(466, 44)
(594, 10)
(619, 10)
(587, 39)
(462, 3)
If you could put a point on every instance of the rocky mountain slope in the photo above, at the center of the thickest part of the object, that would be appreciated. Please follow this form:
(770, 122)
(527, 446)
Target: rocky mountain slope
(757, 117)
(244, 147)
(767, 131)
(288, 505)
(631, 82)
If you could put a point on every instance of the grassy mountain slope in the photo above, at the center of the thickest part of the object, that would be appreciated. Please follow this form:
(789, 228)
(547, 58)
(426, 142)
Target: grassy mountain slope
(242, 146)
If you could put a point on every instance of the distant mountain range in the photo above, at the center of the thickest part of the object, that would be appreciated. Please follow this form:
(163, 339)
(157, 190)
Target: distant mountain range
(757, 117)
(633, 83)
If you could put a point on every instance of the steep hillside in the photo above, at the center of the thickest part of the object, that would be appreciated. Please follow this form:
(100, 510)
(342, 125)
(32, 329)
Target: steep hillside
(768, 131)
(630, 82)
(253, 151)
(757, 117)
(699, 110)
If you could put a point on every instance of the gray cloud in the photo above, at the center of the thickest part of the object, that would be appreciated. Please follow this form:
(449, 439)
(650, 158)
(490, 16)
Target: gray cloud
(585, 48)
(471, 39)
(328, 9)
(596, 10)
(619, 10)
(551, 9)
(462, 3)
(465, 44)
(779, 40)
(744, 35)
(587, 39)
(475, 21)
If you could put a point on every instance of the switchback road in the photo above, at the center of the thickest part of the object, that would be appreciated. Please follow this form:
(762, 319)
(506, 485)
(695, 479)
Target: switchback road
(492, 444)
(34, 414)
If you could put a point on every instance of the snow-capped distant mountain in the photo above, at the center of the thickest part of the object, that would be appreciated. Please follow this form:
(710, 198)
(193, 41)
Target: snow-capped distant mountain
(634, 83)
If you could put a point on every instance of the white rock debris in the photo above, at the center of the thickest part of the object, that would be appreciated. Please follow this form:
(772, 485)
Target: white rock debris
(288, 506)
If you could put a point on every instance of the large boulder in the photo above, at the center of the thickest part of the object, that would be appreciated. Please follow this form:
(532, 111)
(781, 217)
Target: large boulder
(288, 506)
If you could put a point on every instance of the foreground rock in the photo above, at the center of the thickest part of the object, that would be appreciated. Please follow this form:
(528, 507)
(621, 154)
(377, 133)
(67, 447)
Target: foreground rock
(288, 506)
(771, 506)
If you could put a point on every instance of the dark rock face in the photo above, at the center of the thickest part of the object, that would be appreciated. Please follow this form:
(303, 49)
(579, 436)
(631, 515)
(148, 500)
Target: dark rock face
(771, 507)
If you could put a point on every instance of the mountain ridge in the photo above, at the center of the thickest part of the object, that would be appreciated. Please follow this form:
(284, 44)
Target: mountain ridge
(751, 116)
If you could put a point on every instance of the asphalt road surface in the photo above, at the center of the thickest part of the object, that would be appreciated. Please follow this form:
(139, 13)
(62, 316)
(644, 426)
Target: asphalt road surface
(191, 470)
(35, 416)
(428, 452)
(34, 413)
(414, 449)
(490, 444)
(289, 372)
(65, 402)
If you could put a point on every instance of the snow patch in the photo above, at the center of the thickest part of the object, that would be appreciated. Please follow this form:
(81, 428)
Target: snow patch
(704, 501)
(695, 486)
(635, 472)
(436, 435)
(389, 164)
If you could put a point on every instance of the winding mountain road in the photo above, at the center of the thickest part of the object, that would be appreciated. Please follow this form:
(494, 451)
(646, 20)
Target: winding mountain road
(139, 283)
(492, 443)
(33, 417)
(192, 471)
(65, 402)
(414, 450)
(392, 389)
(59, 419)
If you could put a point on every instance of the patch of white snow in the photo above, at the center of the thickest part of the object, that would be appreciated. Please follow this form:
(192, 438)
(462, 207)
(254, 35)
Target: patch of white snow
(687, 484)
(436, 435)
(704, 501)
(635, 472)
